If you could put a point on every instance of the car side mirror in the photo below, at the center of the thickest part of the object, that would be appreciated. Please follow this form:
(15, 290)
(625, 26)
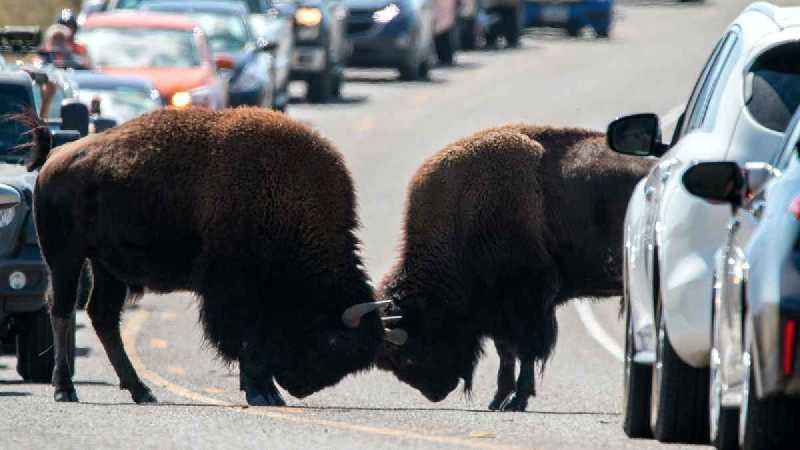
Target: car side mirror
(9, 197)
(75, 116)
(718, 181)
(265, 45)
(103, 123)
(637, 135)
(224, 62)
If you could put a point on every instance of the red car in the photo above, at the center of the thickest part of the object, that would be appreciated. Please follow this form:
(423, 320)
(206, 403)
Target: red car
(170, 50)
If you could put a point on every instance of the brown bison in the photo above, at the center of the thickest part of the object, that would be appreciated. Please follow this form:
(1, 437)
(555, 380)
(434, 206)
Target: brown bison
(500, 229)
(249, 210)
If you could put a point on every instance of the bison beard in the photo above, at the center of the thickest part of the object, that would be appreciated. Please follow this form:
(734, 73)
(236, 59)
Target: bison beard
(252, 212)
(500, 229)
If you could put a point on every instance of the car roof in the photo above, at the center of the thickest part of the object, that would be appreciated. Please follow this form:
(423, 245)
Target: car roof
(99, 80)
(212, 6)
(139, 19)
(782, 17)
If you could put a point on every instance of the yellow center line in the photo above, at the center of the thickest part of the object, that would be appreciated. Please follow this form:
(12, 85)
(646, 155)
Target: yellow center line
(130, 332)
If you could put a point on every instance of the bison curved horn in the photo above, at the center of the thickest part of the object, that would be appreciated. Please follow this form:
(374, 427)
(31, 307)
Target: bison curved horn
(388, 320)
(352, 315)
(396, 336)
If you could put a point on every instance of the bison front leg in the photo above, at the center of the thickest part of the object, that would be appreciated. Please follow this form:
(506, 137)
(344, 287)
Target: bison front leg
(105, 309)
(62, 297)
(525, 388)
(505, 374)
(256, 380)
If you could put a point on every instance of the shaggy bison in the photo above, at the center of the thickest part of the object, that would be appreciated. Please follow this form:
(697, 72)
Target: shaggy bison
(249, 210)
(501, 228)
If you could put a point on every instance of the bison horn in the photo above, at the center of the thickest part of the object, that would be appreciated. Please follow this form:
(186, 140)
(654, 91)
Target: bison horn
(396, 336)
(352, 315)
(391, 319)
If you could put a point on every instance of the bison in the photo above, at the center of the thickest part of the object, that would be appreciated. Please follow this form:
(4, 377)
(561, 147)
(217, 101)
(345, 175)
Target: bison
(500, 229)
(252, 212)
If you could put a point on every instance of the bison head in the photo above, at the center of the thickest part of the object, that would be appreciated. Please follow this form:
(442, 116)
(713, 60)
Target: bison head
(436, 355)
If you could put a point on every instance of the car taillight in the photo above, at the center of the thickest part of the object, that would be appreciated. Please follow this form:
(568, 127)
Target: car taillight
(789, 331)
(794, 207)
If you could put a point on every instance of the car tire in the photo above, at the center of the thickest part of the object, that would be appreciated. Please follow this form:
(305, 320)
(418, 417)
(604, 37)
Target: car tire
(573, 30)
(603, 32)
(320, 87)
(513, 24)
(446, 43)
(723, 421)
(469, 34)
(772, 423)
(35, 360)
(679, 394)
(415, 70)
(636, 388)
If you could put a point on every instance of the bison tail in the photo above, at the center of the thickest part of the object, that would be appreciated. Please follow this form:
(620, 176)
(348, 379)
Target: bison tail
(41, 141)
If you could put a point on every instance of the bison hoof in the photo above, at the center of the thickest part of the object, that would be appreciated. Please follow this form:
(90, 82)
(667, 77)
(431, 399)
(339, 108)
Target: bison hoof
(65, 395)
(497, 403)
(517, 403)
(144, 397)
(255, 398)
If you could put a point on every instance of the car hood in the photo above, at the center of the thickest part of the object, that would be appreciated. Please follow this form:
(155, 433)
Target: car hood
(168, 81)
(367, 4)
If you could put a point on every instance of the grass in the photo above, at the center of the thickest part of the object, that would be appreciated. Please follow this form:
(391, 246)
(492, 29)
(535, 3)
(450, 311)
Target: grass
(33, 12)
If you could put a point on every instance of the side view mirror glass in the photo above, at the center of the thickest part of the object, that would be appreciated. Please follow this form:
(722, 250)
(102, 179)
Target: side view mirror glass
(638, 135)
(75, 116)
(719, 181)
(9, 197)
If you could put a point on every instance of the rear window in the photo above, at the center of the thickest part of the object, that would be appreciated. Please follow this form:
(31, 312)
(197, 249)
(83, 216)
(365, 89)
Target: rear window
(13, 99)
(774, 86)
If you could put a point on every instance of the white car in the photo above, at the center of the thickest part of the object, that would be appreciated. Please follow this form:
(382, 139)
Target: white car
(742, 102)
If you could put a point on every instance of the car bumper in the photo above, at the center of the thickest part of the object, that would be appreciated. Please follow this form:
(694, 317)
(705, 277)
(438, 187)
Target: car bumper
(597, 14)
(246, 98)
(382, 45)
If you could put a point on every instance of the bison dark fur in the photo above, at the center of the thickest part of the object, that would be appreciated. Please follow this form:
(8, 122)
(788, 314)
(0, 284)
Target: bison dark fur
(249, 210)
(500, 229)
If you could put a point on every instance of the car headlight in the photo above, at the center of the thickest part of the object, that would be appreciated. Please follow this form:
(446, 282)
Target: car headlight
(17, 280)
(7, 216)
(386, 14)
(181, 99)
(308, 17)
(197, 97)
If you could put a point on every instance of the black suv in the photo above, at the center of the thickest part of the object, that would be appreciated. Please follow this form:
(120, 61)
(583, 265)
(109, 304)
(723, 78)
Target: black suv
(23, 274)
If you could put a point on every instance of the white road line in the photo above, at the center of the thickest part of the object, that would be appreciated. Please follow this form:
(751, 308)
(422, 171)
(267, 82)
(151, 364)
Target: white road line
(584, 309)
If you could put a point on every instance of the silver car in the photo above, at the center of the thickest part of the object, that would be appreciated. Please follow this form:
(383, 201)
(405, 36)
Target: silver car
(755, 369)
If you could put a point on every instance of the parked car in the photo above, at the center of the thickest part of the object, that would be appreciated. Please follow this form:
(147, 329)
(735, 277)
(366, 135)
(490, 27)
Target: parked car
(755, 309)
(251, 77)
(23, 308)
(180, 65)
(396, 34)
(738, 111)
(572, 15)
(321, 47)
(272, 24)
(507, 20)
(117, 97)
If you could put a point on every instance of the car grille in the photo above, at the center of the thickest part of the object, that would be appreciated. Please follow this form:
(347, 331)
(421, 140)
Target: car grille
(360, 21)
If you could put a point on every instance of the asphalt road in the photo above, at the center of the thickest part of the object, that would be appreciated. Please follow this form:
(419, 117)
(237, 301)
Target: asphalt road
(385, 128)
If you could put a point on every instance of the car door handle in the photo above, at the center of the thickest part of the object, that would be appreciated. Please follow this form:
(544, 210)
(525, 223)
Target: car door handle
(648, 192)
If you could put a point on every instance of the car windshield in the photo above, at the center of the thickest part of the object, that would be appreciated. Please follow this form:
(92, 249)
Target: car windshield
(12, 133)
(226, 32)
(133, 47)
(121, 103)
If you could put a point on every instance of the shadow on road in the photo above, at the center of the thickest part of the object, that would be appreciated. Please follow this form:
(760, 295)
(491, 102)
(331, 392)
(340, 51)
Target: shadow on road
(343, 100)
(14, 394)
(77, 383)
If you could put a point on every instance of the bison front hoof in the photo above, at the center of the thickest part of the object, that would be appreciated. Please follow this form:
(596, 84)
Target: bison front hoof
(497, 404)
(144, 397)
(255, 398)
(66, 395)
(516, 404)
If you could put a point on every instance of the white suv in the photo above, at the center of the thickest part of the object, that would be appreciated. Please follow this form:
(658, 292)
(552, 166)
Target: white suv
(742, 102)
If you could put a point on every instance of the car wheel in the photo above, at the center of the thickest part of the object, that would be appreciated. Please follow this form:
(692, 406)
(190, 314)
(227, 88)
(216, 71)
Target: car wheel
(679, 396)
(513, 19)
(573, 30)
(320, 87)
(35, 360)
(603, 31)
(636, 388)
(723, 421)
(772, 423)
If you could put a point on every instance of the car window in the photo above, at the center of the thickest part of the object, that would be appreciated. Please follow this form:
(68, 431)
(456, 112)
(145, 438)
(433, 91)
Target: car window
(13, 133)
(681, 127)
(132, 47)
(710, 87)
(773, 89)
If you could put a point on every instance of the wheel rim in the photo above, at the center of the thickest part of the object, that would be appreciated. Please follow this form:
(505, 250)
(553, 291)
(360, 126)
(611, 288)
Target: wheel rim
(655, 397)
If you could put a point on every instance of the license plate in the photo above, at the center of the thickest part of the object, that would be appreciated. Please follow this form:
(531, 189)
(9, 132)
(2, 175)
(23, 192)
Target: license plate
(555, 14)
